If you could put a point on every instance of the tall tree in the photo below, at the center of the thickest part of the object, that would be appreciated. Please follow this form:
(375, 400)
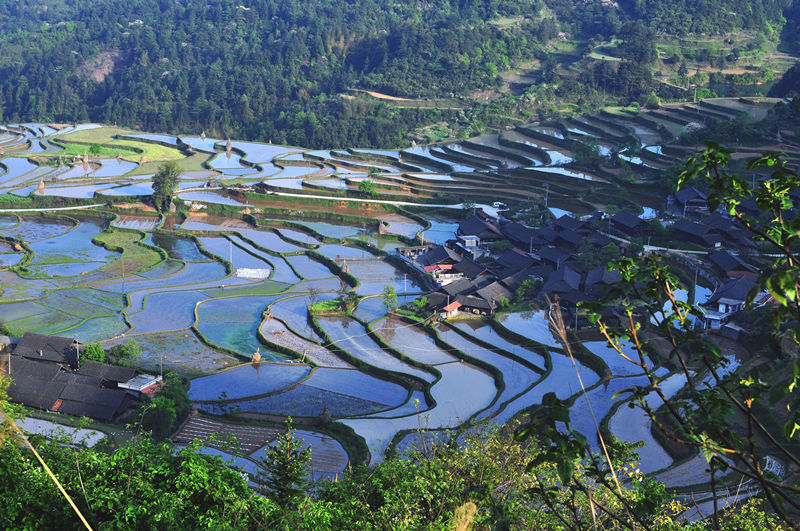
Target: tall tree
(164, 183)
(283, 470)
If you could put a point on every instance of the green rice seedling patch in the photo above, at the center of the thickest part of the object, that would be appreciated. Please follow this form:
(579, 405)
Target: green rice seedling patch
(48, 322)
(14, 200)
(13, 287)
(135, 258)
(20, 310)
(85, 302)
(99, 329)
(106, 135)
(182, 352)
(267, 287)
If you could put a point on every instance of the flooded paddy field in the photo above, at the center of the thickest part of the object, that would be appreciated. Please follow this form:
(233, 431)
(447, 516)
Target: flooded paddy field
(233, 286)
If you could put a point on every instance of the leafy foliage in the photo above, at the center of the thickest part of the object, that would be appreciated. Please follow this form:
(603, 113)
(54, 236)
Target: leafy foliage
(698, 16)
(725, 413)
(283, 470)
(164, 182)
(142, 485)
(94, 352)
(389, 297)
(368, 187)
(168, 408)
(127, 352)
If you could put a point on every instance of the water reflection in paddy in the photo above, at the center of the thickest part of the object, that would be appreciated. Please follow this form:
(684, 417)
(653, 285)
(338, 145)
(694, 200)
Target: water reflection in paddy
(532, 325)
(176, 247)
(166, 311)
(114, 168)
(233, 324)
(352, 337)
(252, 379)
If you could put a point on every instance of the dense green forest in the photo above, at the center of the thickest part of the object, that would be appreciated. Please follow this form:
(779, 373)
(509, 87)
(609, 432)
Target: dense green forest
(280, 70)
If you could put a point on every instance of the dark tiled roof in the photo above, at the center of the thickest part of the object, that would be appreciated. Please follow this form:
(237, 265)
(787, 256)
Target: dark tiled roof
(566, 222)
(551, 254)
(24, 368)
(733, 292)
(512, 282)
(519, 233)
(601, 275)
(47, 348)
(696, 231)
(545, 235)
(437, 300)
(114, 373)
(438, 255)
(515, 259)
(469, 268)
(562, 281)
(569, 238)
(719, 222)
(494, 292)
(626, 219)
(472, 301)
(475, 226)
(598, 240)
(47, 384)
(459, 286)
(35, 392)
(689, 194)
(725, 261)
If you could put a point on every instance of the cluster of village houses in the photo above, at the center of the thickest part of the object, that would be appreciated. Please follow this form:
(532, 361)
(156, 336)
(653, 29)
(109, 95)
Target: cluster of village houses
(472, 274)
(47, 374)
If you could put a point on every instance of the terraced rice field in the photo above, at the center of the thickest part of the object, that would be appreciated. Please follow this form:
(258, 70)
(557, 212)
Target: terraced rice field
(195, 311)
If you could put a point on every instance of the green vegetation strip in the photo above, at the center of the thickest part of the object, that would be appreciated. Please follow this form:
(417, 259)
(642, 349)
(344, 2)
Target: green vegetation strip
(137, 257)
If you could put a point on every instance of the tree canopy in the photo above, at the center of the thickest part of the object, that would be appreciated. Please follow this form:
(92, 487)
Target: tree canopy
(164, 183)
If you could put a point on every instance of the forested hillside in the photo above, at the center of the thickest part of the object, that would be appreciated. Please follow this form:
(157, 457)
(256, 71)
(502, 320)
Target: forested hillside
(280, 70)
(703, 16)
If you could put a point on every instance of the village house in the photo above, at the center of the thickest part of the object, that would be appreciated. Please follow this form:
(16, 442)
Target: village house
(688, 202)
(733, 235)
(476, 226)
(696, 234)
(47, 375)
(625, 223)
(727, 265)
(726, 301)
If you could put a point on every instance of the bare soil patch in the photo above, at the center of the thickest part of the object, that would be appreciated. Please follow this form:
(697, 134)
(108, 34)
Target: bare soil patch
(100, 66)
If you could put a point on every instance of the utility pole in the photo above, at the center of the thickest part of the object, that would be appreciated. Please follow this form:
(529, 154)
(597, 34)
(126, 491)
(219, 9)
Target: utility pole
(546, 193)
